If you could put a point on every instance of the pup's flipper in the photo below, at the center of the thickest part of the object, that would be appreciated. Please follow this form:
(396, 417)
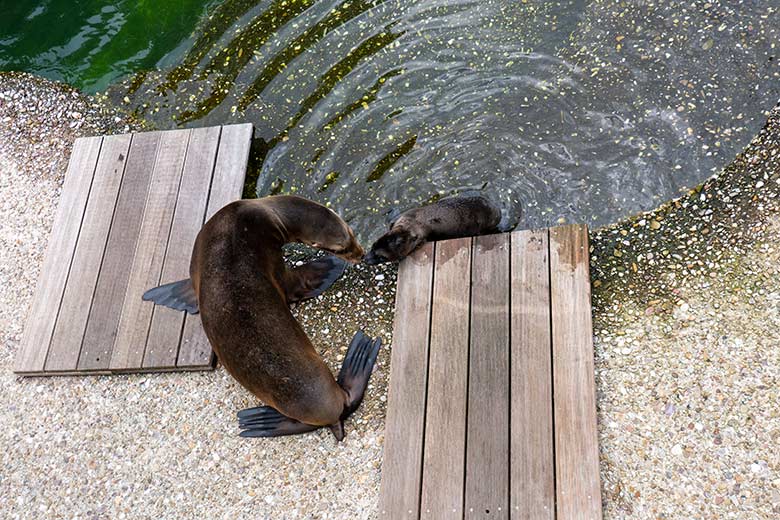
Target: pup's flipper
(176, 295)
(313, 278)
(505, 225)
(356, 369)
(264, 421)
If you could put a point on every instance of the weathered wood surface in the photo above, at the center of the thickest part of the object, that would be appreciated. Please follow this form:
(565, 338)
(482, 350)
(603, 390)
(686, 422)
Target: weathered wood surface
(491, 410)
(226, 186)
(130, 209)
(74, 310)
(404, 433)
(136, 314)
(445, 425)
(59, 253)
(487, 444)
(576, 436)
(166, 327)
(532, 472)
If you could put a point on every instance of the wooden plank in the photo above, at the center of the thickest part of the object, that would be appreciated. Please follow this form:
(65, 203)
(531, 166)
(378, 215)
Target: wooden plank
(42, 315)
(230, 170)
(487, 444)
(115, 269)
(445, 421)
(578, 490)
(165, 331)
(226, 186)
(147, 262)
(402, 467)
(72, 321)
(531, 462)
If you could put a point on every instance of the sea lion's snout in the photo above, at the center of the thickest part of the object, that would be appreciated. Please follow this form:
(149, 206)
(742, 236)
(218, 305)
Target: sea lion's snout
(373, 259)
(353, 252)
(355, 255)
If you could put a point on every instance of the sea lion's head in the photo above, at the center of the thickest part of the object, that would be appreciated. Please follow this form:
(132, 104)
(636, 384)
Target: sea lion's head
(336, 237)
(393, 246)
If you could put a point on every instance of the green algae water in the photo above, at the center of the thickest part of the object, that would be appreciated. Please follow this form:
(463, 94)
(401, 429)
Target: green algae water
(561, 111)
(91, 44)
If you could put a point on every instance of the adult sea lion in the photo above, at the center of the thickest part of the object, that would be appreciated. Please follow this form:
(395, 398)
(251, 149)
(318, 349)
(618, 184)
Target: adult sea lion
(240, 285)
(447, 218)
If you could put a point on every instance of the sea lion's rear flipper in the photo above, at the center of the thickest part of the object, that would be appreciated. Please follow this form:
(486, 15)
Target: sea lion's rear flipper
(313, 278)
(176, 295)
(264, 421)
(356, 369)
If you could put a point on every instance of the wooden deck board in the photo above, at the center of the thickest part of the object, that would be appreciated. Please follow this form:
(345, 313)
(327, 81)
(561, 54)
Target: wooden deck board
(136, 314)
(166, 328)
(505, 382)
(72, 320)
(124, 198)
(227, 185)
(57, 261)
(445, 426)
(401, 473)
(103, 320)
(487, 438)
(576, 437)
(532, 472)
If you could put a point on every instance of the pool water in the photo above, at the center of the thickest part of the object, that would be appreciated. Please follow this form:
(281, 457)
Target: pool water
(91, 44)
(562, 111)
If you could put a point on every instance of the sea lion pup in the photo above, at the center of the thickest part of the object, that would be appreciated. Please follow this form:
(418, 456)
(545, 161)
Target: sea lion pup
(242, 289)
(448, 218)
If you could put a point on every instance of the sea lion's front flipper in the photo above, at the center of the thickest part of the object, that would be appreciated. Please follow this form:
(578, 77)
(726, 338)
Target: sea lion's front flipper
(176, 295)
(356, 369)
(313, 278)
(264, 421)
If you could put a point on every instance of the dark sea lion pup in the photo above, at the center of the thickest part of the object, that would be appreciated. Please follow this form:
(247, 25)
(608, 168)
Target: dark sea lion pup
(242, 288)
(448, 218)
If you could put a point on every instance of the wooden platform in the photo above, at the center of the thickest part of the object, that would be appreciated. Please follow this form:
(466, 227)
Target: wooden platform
(130, 210)
(492, 410)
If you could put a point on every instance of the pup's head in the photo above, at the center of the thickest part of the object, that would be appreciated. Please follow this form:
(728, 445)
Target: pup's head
(393, 246)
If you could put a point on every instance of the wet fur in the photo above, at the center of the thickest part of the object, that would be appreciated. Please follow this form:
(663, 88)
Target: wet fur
(448, 218)
(239, 276)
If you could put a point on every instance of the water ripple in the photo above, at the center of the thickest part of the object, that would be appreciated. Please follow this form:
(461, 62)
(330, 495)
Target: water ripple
(565, 111)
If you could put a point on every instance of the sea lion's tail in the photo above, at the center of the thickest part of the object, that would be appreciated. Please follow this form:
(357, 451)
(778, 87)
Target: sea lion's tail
(176, 295)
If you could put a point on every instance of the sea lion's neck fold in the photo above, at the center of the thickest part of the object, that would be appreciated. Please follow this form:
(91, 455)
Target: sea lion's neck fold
(304, 221)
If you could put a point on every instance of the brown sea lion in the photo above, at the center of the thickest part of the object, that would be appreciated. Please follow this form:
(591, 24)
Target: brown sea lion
(447, 218)
(242, 288)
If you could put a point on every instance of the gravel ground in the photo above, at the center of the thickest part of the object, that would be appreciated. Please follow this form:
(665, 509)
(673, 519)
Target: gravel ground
(686, 313)
(687, 324)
